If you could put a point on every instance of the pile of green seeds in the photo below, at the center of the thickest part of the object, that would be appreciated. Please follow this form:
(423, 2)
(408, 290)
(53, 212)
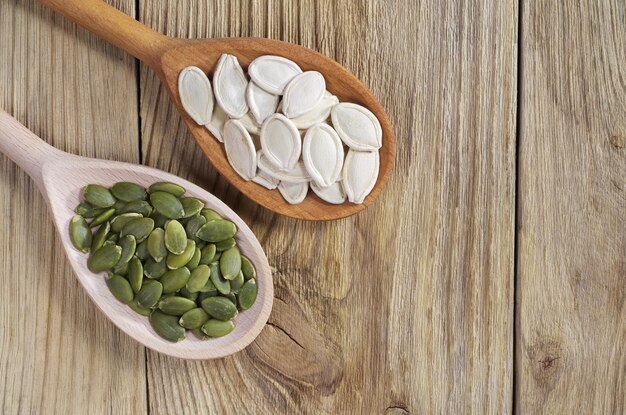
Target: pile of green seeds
(167, 257)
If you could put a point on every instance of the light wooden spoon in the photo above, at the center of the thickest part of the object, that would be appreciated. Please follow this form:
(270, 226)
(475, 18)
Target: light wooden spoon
(61, 177)
(167, 56)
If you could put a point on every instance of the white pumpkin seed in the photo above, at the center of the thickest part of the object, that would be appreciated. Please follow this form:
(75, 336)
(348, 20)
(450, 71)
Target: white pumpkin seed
(319, 114)
(332, 194)
(250, 124)
(322, 153)
(357, 126)
(293, 193)
(265, 180)
(303, 93)
(273, 73)
(281, 142)
(360, 171)
(216, 127)
(240, 149)
(196, 94)
(296, 175)
(229, 85)
(262, 104)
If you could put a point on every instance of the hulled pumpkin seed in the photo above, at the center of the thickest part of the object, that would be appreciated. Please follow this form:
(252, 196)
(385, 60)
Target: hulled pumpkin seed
(154, 270)
(175, 237)
(210, 214)
(209, 287)
(202, 296)
(81, 234)
(86, 210)
(191, 206)
(217, 231)
(167, 205)
(118, 222)
(129, 245)
(113, 238)
(193, 319)
(142, 250)
(225, 244)
(98, 196)
(135, 274)
(222, 285)
(138, 308)
(185, 293)
(230, 263)
(175, 279)
(103, 217)
(128, 192)
(167, 326)
(118, 205)
(247, 268)
(156, 245)
(178, 261)
(237, 282)
(208, 254)
(159, 220)
(247, 294)
(176, 306)
(217, 257)
(217, 328)
(121, 268)
(200, 334)
(104, 258)
(199, 277)
(193, 225)
(120, 288)
(195, 259)
(220, 308)
(140, 228)
(150, 293)
(137, 206)
(231, 297)
(168, 187)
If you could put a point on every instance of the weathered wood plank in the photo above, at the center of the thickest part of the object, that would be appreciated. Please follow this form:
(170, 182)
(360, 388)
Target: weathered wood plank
(572, 209)
(58, 354)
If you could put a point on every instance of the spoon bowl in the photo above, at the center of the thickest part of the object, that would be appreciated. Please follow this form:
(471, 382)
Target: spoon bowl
(61, 178)
(168, 56)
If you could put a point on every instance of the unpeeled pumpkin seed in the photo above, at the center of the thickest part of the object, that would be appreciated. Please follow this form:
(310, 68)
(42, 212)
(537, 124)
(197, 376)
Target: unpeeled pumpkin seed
(318, 114)
(196, 94)
(229, 86)
(360, 173)
(293, 193)
(178, 261)
(230, 263)
(273, 73)
(217, 231)
(357, 126)
(175, 279)
(120, 288)
(140, 228)
(167, 326)
(168, 187)
(98, 196)
(81, 234)
(220, 308)
(103, 217)
(135, 274)
(149, 294)
(216, 127)
(265, 180)
(296, 175)
(240, 149)
(176, 306)
(118, 222)
(281, 142)
(126, 191)
(175, 237)
(262, 103)
(332, 194)
(156, 245)
(247, 294)
(167, 205)
(303, 93)
(199, 278)
(104, 258)
(322, 154)
(193, 319)
(217, 328)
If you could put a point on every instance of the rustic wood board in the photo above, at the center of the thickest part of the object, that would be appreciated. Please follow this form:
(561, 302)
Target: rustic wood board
(58, 353)
(407, 307)
(571, 271)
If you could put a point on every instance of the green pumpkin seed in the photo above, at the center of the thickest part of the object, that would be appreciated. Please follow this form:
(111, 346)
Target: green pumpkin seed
(175, 237)
(127, 192)
(154, 270)
(210, 214)
(120, 288)
(225, 244)
(81, 234)
(192, 227)
(149, 294)
(129, 245)
(103, 217)
(113, 238)
(237, 282)
(185, 293)
(193, 319)
(168, 187)
(195, 260)
(216, 231)
(86, 210)
(217, 328)
(167, 326)
(220, 308)
(199, 277)
(139, 309)
(135, 274)
(167, 205)
(118, 206)
(231, 297)
(222, 285)
(202, 296)
(230, 263)
(104, 258)
(247, 294)
(200, 334)
(247, 268)
(209, 287)
(159, 220)
(137, 206)
(217, 257)
(208, 254)
(191, 206)
(118, 222)
(156, 245)
(142, 251)
(121, 268)
(175, 279)
(140, 228)
(178, 261)
(98, 196)
(176, 306)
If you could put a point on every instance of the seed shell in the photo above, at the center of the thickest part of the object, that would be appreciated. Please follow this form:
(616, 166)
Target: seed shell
(196, 94)
(217, 231)
(281, 142)
(296, 175)
(240, 149)
(293, 193)
(357, 126)
(360, 172)
(273, 73)
(332, 194)
(303, 93)
(322, 154)
(262, 103)
(229, 86)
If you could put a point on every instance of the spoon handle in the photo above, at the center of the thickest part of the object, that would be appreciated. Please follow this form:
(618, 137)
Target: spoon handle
(26, 149)
(115, 27)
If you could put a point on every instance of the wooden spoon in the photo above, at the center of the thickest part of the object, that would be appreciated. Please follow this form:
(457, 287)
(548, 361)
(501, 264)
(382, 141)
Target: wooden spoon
(168, 56)
(61, 177)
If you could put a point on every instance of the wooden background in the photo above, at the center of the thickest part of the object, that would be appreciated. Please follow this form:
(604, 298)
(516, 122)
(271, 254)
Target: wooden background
(490, 277)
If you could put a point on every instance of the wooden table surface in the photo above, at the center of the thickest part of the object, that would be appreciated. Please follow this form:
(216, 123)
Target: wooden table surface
(490, 277)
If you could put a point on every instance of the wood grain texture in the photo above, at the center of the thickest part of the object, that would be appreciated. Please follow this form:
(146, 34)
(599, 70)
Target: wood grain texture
(58, 353)
(406, 307)
(572, 209)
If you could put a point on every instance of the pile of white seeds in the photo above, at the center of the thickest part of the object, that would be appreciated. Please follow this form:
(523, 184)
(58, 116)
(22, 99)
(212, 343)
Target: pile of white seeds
(306, 139)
